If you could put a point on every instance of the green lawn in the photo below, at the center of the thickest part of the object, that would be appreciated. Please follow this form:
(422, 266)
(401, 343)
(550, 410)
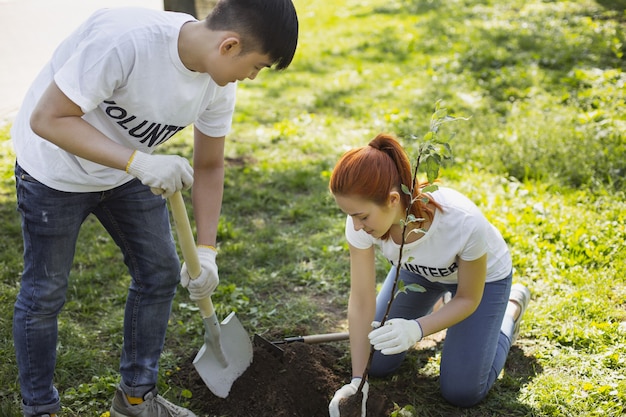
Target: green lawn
(543, 154)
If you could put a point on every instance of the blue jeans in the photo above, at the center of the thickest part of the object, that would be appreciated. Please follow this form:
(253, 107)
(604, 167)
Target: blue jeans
(474, 350)
(138, 222)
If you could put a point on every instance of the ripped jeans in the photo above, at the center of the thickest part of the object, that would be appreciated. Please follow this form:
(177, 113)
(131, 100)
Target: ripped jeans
(138, 222)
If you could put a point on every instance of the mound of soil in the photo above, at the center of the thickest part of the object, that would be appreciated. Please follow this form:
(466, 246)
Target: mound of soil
(300, 383)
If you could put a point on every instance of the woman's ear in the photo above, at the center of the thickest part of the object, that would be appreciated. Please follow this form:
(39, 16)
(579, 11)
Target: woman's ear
(394, 198)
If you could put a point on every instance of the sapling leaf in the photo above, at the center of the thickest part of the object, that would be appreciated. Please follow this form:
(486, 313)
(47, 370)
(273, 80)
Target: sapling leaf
(411, 218)
(448, 150)
(415, 288)
(429, 189)
(420, 230)
(435, 120)
(432, 168)
(405, 189)
(400, 288)
(403, 288)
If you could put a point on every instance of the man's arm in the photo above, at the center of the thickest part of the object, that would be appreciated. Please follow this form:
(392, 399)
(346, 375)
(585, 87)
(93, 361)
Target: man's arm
(58, 119)
(208, 186)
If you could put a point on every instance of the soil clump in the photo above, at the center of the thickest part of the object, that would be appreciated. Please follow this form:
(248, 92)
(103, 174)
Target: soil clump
(300, 383)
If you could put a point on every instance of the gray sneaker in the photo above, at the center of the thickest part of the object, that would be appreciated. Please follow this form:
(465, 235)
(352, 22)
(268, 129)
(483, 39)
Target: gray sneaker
(153, 406)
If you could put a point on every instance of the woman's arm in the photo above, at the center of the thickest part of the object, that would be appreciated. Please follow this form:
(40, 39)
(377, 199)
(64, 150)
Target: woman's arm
(472, 275)
(361, 306)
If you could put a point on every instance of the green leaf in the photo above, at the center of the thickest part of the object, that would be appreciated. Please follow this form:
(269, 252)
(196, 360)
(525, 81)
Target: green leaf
(415, 288)
(432, 168)
(448, 150)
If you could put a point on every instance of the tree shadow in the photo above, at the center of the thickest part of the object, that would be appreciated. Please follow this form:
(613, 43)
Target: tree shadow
(414, 385)
(617, 5)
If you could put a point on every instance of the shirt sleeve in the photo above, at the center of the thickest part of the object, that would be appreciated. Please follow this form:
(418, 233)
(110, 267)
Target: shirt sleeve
(94, 70)
(476, 244)
(216, 120)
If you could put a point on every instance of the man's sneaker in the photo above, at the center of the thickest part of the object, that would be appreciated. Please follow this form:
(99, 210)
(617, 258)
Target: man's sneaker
(153, 405)
(521, 295)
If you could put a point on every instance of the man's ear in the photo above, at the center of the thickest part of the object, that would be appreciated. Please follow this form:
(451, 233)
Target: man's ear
(230, 45)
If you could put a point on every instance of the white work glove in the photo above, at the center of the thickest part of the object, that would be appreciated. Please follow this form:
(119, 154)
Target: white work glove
(204, 285)
(164, 174)
(396, 336)
(346, 391)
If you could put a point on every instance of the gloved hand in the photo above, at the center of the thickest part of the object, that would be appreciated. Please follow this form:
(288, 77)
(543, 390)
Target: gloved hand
(164, 174)
(346, 391)
(204, 285)
(396, 336)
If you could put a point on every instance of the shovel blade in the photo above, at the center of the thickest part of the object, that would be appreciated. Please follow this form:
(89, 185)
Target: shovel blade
(236, 348)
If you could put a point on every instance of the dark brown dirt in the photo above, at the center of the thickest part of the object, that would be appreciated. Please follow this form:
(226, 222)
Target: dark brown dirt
(351, 406)
(298, 384)
(302, 382)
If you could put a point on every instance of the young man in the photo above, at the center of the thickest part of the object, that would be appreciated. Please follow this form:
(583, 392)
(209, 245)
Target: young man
(123, 83)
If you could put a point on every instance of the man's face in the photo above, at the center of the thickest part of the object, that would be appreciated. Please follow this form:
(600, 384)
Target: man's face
(238, 67)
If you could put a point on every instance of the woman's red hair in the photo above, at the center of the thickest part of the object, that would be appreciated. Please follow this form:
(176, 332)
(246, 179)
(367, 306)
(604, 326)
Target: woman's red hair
(373, 171)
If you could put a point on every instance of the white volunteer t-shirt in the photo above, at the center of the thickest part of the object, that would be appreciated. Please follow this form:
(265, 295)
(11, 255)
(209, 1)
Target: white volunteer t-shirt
(123, 69)
(461, 230)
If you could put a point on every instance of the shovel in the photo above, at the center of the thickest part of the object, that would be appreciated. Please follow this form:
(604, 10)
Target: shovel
(227, 350)
(273, 346)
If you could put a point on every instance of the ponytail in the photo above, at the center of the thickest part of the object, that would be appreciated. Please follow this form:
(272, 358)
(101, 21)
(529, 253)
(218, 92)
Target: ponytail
(392, 148)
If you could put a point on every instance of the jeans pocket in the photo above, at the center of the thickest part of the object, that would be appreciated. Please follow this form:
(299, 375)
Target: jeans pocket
(22, 175)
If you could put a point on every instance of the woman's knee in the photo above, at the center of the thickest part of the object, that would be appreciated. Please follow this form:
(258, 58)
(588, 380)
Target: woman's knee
(459, 394)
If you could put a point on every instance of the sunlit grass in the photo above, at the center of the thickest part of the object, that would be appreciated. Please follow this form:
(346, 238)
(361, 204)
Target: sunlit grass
(542, 155)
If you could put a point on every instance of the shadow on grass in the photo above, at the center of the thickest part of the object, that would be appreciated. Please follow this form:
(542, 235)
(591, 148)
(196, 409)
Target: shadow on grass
(617, 5)
(412, 385)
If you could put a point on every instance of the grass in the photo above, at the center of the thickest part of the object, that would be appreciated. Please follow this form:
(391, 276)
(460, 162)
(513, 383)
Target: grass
(543, 155)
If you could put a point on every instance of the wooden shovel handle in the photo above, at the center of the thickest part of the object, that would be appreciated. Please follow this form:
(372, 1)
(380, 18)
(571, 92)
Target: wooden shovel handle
(317, 338)
(327, 337)
(187, 245)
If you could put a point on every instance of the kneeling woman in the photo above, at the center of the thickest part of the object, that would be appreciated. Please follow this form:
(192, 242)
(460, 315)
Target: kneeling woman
(451, 248)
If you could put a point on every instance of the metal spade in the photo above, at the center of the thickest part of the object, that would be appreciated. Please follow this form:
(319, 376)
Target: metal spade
(227, 350)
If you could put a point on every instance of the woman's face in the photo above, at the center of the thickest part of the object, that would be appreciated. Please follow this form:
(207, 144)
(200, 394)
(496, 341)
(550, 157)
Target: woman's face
(373, 218)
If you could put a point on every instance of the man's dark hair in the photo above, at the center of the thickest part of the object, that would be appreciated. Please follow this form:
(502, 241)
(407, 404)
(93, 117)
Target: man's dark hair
(265, 26)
